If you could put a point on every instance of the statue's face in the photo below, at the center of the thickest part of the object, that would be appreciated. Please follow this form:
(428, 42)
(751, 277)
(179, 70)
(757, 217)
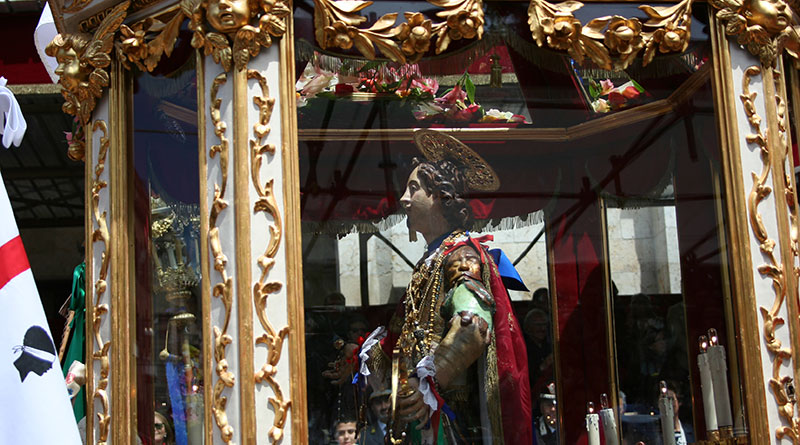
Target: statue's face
(419, 204)
(228, 15)
(69, 68)
(770, 14)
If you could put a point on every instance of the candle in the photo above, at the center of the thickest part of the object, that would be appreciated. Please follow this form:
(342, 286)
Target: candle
(707, 386)
(609, 422)
(592, 425)
(667, 414)
(719, 378)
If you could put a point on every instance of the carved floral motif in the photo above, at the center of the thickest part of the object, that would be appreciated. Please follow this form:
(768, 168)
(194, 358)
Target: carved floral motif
(336, 25)
(610, 41)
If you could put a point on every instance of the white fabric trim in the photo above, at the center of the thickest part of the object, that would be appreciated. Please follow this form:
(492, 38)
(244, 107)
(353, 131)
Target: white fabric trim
(427, 368)
(376, 336)
(12, 123)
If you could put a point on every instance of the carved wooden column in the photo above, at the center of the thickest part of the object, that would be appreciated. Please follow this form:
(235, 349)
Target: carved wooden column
(762, 214)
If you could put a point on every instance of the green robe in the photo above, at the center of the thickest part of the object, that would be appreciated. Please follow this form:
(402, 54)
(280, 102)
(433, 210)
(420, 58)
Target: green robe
(77, 343)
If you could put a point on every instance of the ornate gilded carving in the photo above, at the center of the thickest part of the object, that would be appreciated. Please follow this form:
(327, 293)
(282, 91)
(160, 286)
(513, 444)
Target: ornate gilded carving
(223, 289)
(611, 41)
(145, 42)
(250, 23)
(773, 269)
(101, 234)
(763, 26)
(336, 26)
(266, 203)
(82, 62)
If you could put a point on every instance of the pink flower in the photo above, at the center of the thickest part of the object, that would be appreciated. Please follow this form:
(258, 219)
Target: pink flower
(607, 87)
(452, 97)
(429, 86)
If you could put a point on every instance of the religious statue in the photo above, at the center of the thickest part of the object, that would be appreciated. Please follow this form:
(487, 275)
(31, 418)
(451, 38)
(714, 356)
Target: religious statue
(764, 26)
(453, 354)
(82, 60)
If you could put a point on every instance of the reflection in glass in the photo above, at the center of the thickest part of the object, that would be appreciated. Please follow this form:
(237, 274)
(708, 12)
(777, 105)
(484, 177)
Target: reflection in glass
(650, 317)
(168, 309)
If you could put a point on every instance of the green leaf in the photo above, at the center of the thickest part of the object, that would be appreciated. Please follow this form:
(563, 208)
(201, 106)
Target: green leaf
(594, 89)
(469, 87)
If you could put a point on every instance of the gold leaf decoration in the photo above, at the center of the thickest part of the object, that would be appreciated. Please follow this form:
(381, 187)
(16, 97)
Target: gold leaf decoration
(773, 269)
(266, 203)
(336, 25)
(101, 234)
(611, 42)
(224, 288)
(764, 35)
(267, 22)
(82, 60)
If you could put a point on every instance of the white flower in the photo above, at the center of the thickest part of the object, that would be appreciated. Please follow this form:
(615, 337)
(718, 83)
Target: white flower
(601, 106)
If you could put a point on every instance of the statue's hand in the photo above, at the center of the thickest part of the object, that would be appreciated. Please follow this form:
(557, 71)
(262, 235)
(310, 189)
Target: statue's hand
(342, 369)
(412, 407)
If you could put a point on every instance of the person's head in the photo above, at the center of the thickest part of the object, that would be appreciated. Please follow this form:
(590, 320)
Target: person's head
(549, 409)
(433, 199)
(379, 405)
(769, 14)
(162, 431)
(357, 327)
(230, 15)
(67, 49)
(536, 325)
(346, 431)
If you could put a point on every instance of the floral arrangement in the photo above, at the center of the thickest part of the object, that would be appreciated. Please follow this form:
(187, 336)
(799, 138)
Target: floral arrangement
(458, 105)
(406, 84)
(607, 97)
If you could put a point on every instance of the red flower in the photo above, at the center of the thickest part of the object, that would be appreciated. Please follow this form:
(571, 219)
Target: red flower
(343, 88)
(630, 92)
(616, 99)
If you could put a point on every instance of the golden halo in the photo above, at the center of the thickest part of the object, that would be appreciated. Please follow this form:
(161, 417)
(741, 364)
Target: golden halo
(436, 146)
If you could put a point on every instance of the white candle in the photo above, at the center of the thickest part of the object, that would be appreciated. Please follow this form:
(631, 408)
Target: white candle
(667, 415)
(609, 426)
(707, 388)
(719, 379)
(593, 426)
(609, 422)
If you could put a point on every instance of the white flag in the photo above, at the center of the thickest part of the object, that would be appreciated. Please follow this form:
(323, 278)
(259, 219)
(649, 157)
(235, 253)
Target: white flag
(34, 404)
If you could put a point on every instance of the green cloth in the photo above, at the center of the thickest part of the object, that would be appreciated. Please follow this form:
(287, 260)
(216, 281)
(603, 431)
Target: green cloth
(464, 298)
(76, 350)
(415, 436)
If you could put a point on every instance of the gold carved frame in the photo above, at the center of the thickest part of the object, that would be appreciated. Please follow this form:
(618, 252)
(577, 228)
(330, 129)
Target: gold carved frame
(611, 42)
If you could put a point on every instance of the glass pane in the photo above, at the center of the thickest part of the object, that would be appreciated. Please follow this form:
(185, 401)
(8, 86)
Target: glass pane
(169, 340)
(650, 320)
(583, 156)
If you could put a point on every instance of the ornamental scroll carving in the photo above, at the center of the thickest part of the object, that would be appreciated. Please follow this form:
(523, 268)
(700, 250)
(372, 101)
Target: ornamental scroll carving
(224, 288)
(100, 347)
(266, 203)
(772, 269)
